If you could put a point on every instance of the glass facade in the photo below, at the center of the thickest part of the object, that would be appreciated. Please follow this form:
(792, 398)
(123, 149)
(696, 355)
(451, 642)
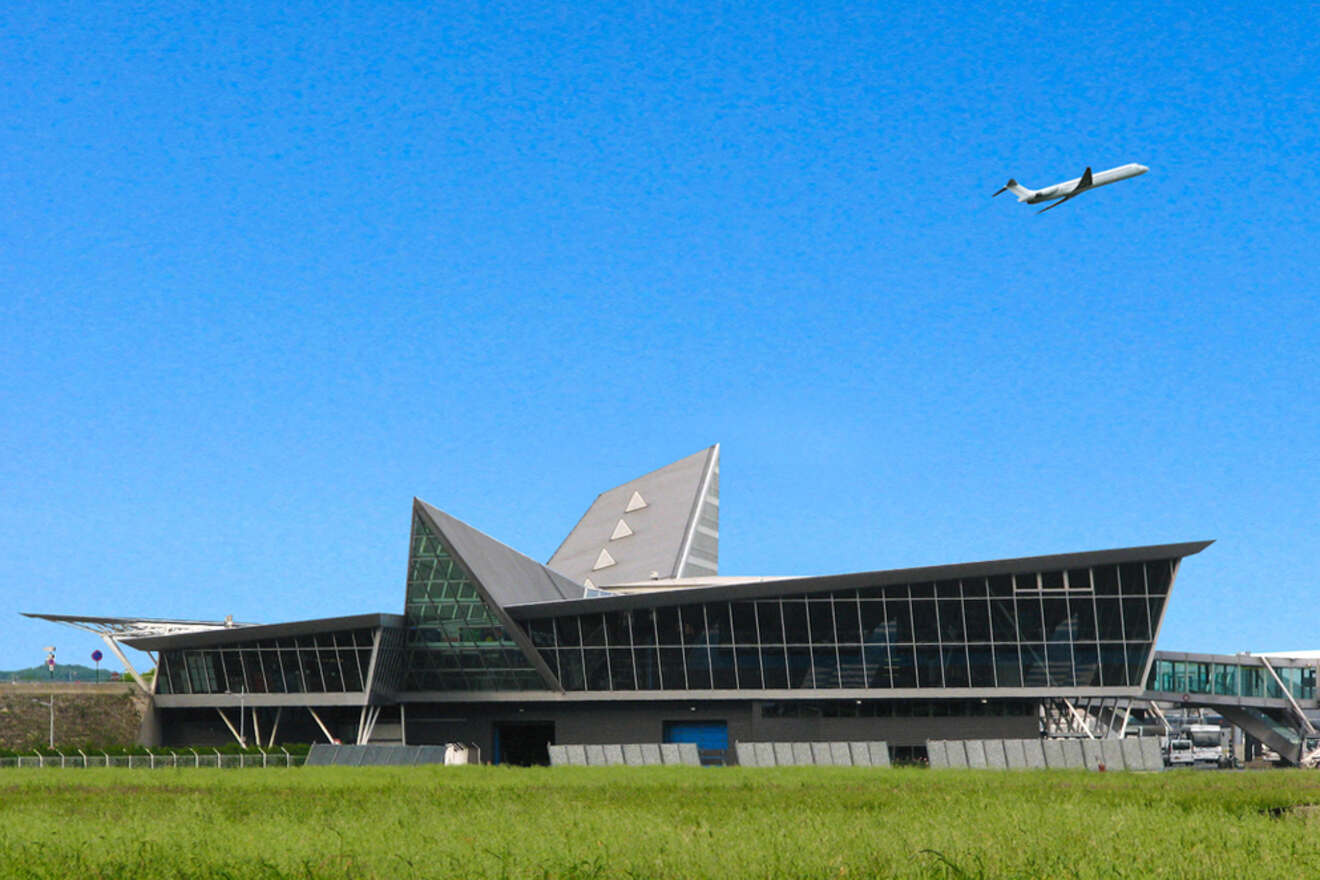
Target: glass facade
(1230, 679)
(453, 641)
(324, 662)
(1088, 627)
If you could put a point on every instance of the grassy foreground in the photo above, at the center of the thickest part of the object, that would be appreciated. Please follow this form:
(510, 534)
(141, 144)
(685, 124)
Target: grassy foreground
(654, 822)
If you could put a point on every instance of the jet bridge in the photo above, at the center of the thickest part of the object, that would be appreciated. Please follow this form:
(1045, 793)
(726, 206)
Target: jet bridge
(1266, 696)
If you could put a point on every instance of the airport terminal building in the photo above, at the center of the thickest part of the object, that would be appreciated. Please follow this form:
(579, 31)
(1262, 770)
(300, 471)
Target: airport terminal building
(629, 634)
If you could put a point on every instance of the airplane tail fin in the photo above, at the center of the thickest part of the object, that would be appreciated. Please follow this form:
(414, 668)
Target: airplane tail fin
(1016, 188)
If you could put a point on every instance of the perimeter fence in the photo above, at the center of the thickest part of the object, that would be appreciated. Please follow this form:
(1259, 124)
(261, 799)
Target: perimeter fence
(157, 760)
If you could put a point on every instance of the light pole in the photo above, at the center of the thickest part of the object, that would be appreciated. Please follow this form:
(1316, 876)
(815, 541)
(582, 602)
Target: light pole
(51, 705)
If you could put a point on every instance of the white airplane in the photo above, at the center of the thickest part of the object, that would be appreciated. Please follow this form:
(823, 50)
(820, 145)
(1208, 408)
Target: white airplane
(1070, 188)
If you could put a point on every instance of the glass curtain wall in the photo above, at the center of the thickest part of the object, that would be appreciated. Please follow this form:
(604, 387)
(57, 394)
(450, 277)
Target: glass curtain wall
(1079, 628)
(453, 641)
(327, 662)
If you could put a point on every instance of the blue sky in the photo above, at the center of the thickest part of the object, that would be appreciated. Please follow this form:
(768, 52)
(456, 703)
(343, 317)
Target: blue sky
(270, 273)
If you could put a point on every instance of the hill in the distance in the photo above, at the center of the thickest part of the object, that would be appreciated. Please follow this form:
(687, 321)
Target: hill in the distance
(71, 672)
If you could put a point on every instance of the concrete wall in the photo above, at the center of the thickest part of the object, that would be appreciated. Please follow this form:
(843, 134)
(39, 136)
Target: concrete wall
(625, 722)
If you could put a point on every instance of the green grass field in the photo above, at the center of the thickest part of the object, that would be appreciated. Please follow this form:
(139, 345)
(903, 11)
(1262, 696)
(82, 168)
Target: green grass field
(655, 822)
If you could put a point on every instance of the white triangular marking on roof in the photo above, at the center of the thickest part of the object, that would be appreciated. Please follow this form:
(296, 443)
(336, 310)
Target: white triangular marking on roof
(636, 502)
(604, 560)
(621, 531)
(588, 584)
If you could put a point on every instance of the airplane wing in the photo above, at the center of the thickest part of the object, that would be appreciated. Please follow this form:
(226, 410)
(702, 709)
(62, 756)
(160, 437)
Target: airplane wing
(1059, 202)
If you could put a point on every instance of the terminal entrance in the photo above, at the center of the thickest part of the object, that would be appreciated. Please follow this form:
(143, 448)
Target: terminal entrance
(711, 738)
(524, 743)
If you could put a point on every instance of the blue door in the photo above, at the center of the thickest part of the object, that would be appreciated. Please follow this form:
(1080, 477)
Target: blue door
(711, 737)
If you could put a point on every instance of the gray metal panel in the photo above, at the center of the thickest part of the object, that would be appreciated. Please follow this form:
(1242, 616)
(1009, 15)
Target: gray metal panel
(802, 754)
(651, 753)
(1035, 751)
(508, 576)
(595, 755)
(839, 754)
(879, 750)
(430, 754)
(955, 754)
(577, 755)
(937, 754)
(1015, 755)
(1053, 750)
(854, 580)
(1073, 757)
(1111, 753)
(659, 529)
(349, 756)
(613, 754)
(321, 755)
(995, 758)
(861, 754)
(689, 755)
(1152, 758)
(558, 756)
(1091, 756)
(820, 754)
(669, 753)
(765, 754)
(975, 754)
(632, 755)
(783, 754)
(746, 754)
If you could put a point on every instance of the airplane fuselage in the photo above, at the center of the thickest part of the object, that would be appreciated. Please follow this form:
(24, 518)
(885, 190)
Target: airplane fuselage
(1069, 187)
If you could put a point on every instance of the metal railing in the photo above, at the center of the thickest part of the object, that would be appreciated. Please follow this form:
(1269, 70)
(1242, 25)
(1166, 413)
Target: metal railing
(159, 760)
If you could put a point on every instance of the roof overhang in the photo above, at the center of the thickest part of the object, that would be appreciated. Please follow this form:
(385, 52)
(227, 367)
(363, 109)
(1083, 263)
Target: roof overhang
(775, 588)
(208, 638)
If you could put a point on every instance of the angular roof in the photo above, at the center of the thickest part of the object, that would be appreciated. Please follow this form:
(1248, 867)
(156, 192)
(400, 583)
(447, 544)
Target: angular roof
(787, 586)
(258, 632)
(509, 577)
(663, 525)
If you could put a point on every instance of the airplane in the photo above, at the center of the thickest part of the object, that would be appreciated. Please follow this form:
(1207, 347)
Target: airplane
(1071, 188)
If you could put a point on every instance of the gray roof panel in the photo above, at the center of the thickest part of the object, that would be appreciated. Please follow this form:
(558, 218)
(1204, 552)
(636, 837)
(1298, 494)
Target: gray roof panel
(508, 576)
(659, 534)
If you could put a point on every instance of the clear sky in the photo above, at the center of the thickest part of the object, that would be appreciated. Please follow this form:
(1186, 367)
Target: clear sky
(268, 273)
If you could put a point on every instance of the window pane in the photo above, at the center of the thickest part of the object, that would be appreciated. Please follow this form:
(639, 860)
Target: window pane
(924, 623)
(820, 615)
(668, 627)
(977, 614)
(775, 667)
(598, 669)
(672, 670)
(722, 669)
(770, 623)
(621, 670)
(928, 667)
(749, 668)
(846, 622)
(799, 665)
(744, 623)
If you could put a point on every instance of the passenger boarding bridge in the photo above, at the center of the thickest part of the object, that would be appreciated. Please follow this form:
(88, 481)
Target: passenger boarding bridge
(1268, 697)
(1272, 699)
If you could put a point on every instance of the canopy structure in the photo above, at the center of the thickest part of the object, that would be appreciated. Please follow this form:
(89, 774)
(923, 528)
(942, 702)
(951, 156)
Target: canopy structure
(113, 630)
